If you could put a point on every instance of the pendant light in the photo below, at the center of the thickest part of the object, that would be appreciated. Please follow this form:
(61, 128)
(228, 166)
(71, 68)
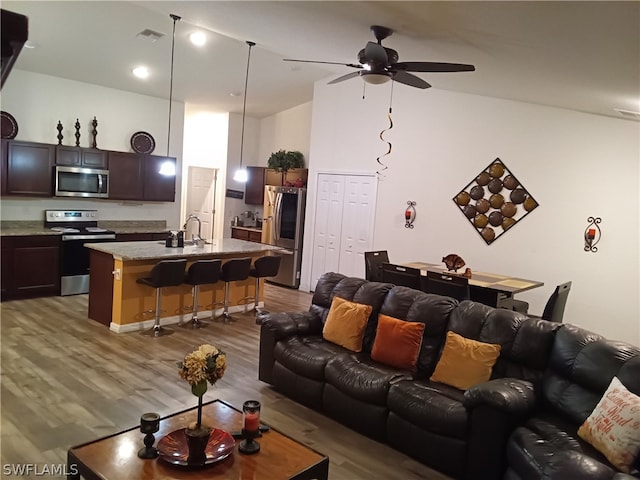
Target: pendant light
(241, 174)
(168, 168)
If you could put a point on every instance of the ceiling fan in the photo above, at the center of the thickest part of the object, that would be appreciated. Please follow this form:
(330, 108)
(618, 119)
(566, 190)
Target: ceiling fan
(379, 64)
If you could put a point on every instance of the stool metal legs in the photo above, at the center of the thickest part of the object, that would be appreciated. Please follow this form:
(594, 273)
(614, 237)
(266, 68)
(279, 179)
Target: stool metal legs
(195, 322)
(158, 330)
(226, 317)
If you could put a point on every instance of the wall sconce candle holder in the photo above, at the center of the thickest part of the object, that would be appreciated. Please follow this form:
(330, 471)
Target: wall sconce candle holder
(410, 214)
(592, 234)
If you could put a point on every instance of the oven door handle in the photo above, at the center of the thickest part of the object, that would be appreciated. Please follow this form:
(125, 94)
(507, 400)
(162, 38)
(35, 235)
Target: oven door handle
(66, 238)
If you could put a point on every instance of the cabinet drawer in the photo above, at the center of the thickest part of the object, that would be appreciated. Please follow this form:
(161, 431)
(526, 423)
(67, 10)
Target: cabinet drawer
(255, 236)
(239, 234)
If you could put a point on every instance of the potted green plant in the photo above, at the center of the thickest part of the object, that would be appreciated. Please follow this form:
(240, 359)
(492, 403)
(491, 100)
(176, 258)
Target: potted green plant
(285, 160)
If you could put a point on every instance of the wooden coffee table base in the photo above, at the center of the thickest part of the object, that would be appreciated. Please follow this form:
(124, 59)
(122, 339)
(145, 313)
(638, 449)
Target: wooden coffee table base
(116, 456)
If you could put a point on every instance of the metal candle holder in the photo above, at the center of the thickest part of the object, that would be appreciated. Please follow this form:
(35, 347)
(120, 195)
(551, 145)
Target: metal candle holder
(250, 427)
(149, 424)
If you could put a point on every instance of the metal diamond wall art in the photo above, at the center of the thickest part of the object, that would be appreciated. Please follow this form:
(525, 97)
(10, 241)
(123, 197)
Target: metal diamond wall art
(494, 201)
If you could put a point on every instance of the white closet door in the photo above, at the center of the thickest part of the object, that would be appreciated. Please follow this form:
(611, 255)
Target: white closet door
(345, 213)
(357, 223)
(326, 242)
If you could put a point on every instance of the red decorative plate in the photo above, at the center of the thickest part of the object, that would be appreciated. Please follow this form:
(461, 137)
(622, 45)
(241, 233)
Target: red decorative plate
(173, 447)
(142, 142)
(8, 125)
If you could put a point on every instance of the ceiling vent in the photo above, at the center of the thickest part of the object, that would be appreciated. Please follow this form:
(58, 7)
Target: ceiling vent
(628, 113)
(150, 35)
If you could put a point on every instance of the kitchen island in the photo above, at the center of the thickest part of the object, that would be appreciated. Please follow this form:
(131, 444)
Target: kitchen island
(119, 302)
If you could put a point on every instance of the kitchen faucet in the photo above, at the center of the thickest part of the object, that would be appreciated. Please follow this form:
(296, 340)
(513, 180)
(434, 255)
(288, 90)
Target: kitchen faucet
(195, 237)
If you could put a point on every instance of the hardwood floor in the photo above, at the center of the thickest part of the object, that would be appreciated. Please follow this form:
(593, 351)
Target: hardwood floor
(68, 380)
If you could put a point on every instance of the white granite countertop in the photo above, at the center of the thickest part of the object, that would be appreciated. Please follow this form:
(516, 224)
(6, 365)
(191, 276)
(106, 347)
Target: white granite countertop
(157, 249)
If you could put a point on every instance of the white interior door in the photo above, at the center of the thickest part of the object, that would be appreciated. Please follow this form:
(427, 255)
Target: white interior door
(201, 189)
(358, 215)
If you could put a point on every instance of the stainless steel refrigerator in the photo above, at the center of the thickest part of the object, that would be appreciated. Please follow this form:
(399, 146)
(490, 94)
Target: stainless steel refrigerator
(283, 225)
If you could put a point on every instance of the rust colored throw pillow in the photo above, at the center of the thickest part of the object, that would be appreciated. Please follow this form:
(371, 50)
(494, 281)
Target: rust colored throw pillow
(465, 362)
(397, 342)
(345, 323)
(613, 427)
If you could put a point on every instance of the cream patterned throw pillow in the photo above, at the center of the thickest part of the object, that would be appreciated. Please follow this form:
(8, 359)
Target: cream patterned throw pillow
(613, 427)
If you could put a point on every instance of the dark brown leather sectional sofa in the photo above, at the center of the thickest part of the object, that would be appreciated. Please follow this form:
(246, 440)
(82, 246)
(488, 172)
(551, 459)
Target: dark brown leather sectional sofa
(521, 424)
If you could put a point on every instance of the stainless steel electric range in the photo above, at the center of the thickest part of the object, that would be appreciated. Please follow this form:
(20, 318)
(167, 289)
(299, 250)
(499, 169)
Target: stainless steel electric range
(77, 227)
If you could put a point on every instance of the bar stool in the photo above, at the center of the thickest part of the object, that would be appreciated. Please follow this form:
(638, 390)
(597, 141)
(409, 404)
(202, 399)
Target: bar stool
(233, 270)
(166, 273)
(201, 272)
(266, 266)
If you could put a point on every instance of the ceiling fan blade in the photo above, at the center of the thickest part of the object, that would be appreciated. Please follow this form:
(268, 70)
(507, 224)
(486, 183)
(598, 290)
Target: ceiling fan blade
(375, 54)
(409, 79)
(433, 67)
(344, 77)
(353, 65)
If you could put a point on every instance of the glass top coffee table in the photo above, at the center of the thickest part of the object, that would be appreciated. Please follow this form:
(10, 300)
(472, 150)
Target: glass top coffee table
(116, 457)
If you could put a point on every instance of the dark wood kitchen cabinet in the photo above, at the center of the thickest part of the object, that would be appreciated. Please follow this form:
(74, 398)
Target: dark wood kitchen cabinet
(159, 179)
(257, 178)
(81, 157)
(30, 266)
(126, 172)
(3, 166)
(138, 177)
(30, 169)
(141, 237)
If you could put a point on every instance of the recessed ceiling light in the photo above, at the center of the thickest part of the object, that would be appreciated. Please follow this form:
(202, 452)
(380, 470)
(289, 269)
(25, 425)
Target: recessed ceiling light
(234, 94)
(141, 72)
(198, 38)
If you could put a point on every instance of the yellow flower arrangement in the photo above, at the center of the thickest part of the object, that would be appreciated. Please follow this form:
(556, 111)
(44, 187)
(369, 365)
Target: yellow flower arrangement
(205, 364)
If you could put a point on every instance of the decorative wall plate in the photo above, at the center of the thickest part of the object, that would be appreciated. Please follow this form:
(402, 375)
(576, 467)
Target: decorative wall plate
(8, 125)
(142, 142)
(494, 201)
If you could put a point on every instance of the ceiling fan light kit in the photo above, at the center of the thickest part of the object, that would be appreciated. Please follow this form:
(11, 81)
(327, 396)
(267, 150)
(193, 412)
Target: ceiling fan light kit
(379, 64)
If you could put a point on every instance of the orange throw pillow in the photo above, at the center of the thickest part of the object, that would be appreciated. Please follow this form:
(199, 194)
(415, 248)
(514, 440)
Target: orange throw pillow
(345, 323)
(465, 362)
(397, 342)
(614, 426)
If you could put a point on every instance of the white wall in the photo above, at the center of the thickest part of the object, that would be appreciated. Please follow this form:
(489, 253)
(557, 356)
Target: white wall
(287, 130)
(38, 102)
(206, 141)
(575, 165)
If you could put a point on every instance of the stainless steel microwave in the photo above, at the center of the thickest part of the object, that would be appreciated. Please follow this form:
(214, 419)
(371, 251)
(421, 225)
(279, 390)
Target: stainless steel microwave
(81, 182)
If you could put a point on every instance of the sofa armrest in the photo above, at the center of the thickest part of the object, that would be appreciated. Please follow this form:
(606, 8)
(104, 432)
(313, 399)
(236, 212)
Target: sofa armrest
(495, 408)
(509, 395)
(283, 325)
(277, 326)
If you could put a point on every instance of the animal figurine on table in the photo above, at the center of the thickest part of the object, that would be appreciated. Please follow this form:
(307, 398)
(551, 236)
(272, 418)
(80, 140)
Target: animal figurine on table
(453, 262)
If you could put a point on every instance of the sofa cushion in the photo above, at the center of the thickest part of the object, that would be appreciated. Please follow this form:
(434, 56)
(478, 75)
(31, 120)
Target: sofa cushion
(465, 362)
(434, 407)
(581, 367)
(525, 343)
(397, 342)
(345, 323)
(306, 356)
(548, 444)
(614, 426)
(432, 310)
(358, 376)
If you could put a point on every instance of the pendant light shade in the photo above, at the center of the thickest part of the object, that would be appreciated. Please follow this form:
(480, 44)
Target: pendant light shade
(241, 174)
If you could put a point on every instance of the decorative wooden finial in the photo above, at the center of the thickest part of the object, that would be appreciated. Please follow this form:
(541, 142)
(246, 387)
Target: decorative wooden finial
(60, 136)
(77, 132)
(94, 132)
